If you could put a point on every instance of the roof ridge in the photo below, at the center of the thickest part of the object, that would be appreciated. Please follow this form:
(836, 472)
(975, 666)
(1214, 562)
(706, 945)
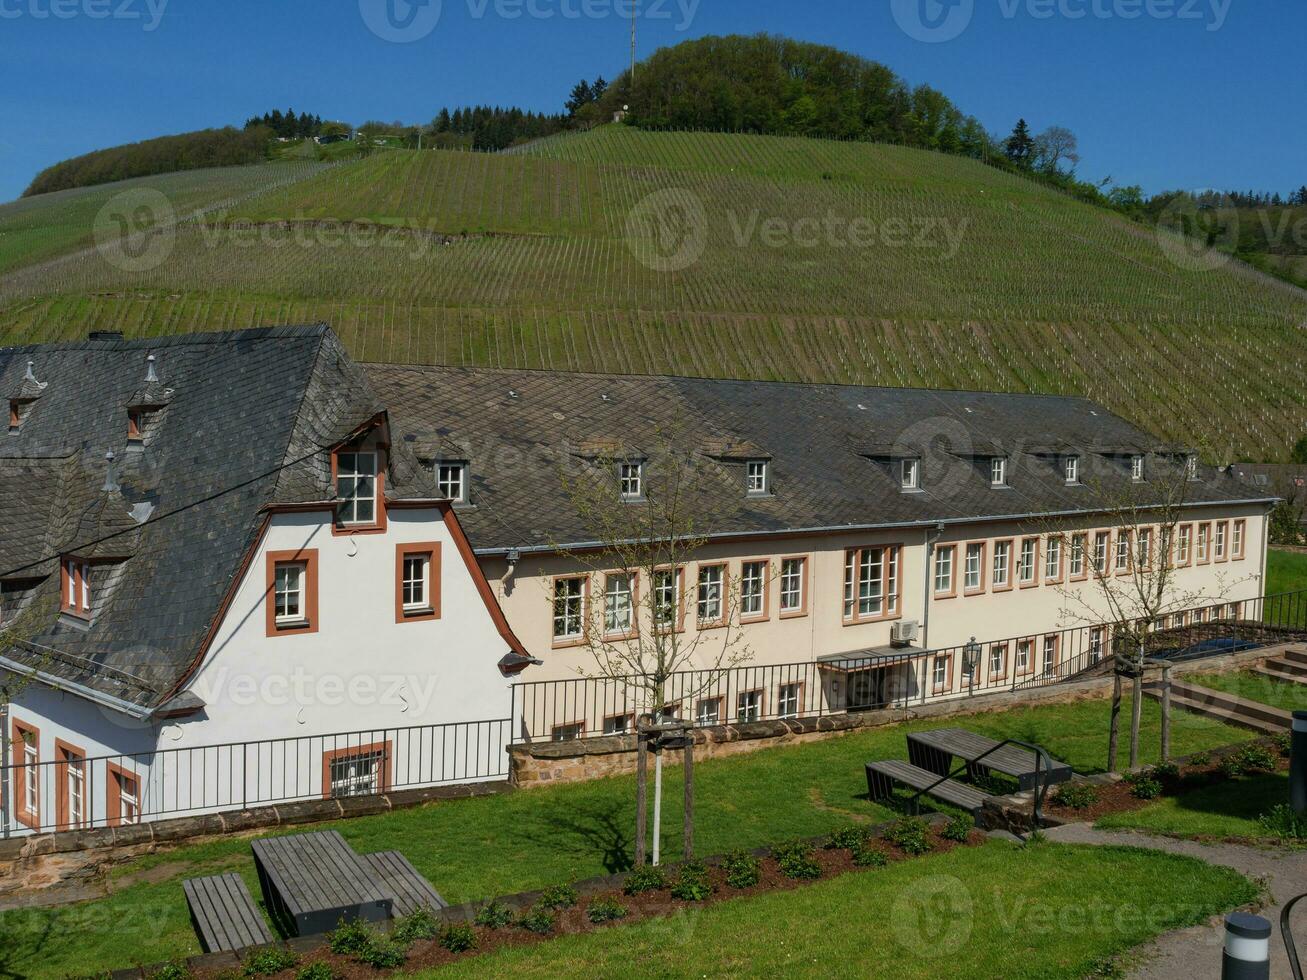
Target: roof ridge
(194, 339)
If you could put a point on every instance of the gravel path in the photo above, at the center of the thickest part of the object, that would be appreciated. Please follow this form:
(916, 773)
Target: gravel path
(1188, 954)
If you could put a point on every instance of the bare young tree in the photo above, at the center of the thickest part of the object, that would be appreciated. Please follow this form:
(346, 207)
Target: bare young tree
(18, 633)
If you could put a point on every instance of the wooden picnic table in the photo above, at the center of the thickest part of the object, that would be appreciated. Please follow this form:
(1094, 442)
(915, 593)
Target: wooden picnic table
(312, 881)
(935, 750)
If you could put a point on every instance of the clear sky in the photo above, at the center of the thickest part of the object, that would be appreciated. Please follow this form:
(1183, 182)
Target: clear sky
(1164, 93)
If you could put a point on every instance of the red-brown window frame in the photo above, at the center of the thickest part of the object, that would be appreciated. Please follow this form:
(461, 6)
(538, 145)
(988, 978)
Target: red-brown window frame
(1063, 543)
(989, 661)
(941, 687)
(723, 598)
(113, 794)
(984, 570)
(765, 615)
(1242, 526)
(1035, 569)
(63, 752)
(887, 551)
(802, 689)
(679, 625)
(308, 557)
(20, 731)
(386, 749)
(431, 551)
(1201, 528)
(1011, 565)
(563, 643)
(379, 516)
(953, 572)
(1086, 559)
(80, 589)
(1191, 544)
(803, 587)
(1217, 528)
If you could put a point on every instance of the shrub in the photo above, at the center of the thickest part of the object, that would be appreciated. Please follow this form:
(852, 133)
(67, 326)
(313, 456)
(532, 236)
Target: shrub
(539, 920)
(420, 925)
(172, 971)
(459, 938)
(1076, 796)
(743, 870)
(1166, 771)
(958, 829)
(849, 838)
(382, 954)
(1200, 758)
(1145, 787)
(911, 835)
(605, 910)
(316, 971)
(266, 962)
(1283, 743)
(558, 897)
(692, 884)
(1283, 823)
(646, 878)
(869, 857)
(494, 915)
(795, 860)
(1256, 758)
(349, 938)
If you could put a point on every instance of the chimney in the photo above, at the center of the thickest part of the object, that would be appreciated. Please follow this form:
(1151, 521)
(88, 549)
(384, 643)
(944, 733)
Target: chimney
(150, 376)
(31, 373)
(110, 480)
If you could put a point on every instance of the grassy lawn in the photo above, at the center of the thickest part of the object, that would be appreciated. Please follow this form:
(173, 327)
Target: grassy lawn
(479, 848)
(1220, 811)
(1286, 571)
(992, 911)
(1286, 695)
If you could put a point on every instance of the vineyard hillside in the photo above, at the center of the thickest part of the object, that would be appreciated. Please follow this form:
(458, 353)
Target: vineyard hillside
(718, 255)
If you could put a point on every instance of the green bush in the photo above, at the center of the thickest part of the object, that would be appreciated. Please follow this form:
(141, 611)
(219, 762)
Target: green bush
(419, 925)
(848, 838)
(1145, 787)
(911, 835)
(605, 910)
(1166, 771)
(172, 971)
(958, 829)
(1283, 743)
(459, 938)
(382, 954)
(1283, 823)
(268, 961)
(1257, 758)
(349, 938)
(795, 860)
(869, 857)
(316, 971)
(1076, 796)
(743, 870)
(692, 884)
(646, 878)
(494, 915)
(558, 897)
(539, 920)
(1200, 758)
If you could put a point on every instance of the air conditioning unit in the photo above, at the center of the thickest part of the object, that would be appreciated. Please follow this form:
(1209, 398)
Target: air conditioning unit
(904, 632)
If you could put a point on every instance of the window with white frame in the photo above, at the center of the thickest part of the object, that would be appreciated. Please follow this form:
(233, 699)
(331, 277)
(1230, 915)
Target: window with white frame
(356, 488)
(630, 476)
(939, 671)
(1024, 650)
(1183, 543)
(1071, 469)
(748, 706)
(708, 711)
(76, 591)
(1053, 558)
(756, 476)
(1026, 565)
(1236, 539)
(787, 700)
(973, 578)
(31, 776)
(1219, 541)
(129, 799)
(1191, 467)
(944, 570)
(753, 589)
(1077, 555)
(357, 774)
(1123, 551)
(997, 659)
(711, 599)
(1144, 547)
(910, 474)
(1050, 655)
(75, 788)
(568, 732)
(1101, 545)
(998, 471)
(1204, 541)
(416, 584)
(871, 583)
(618, 606)
(451, 478)
(288, 592)
(1096, 636)
(666, 598)
(1002, 564)
(1137, 468)
(792, 584)
(617, 725)
(569, 608)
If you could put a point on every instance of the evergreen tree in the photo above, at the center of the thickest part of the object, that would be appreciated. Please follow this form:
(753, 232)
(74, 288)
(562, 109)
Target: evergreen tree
(582, 95)
(1020, 145)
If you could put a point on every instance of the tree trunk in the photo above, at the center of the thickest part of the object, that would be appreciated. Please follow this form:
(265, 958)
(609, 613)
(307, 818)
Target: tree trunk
(641, 814)
(658, 807)
(689, 798)
(1166, 712)
(1136, 716)
(1114, 729)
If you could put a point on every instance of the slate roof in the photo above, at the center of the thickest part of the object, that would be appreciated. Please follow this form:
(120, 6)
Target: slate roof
(832, 449)
(248, 420)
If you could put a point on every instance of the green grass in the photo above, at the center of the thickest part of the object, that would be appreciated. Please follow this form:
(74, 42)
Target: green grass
(993, 911)
(479, 848)
(1285, 695)
(1222, 810)
(1286, 571)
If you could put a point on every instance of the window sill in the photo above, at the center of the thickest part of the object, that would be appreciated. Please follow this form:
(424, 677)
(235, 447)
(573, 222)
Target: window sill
(76, 620)
(794, 614)
(872, 620)
(292, 626)
(568, 643)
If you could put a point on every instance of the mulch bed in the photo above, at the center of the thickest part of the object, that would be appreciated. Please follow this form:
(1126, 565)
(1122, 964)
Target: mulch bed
(640, 908)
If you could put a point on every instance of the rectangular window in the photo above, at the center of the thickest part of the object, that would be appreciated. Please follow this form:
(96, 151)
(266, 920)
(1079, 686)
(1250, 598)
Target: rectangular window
(794, 574)
(1235, 610)
(618, 724)
(1025, 648)
(1145, 548)
(1078, 555)
(414, 586)
(357, 772)
(26, 781)
(76, 587)
(289, 593)
(998, 472)
(1122, 564)
(356, 488)
(1053, 559)
(753, 590)
(1200, 615)
(712, 601)
(135, 425)
(1204, 543)
(708, 711)
(1050, 655)
(70, 790)
(1002, 564)
(451, 478)
(1071, 469)
(618, 605)
(631, 480)
(974, 576)
(910, 474)
(1137, 468)
(1219, 541)
(667, 598)
(944, 570)
(569, 609)
(1191, 467)
(1096, 644)
(748, 706)
(755, 478)
(997, 660)
(1101, 546)
(31, 778)
(871, 583)
(568, 732)
(940, 672)
(1026, 565)
(1237, 539)
(1184, 544)
(787, 700)
(125, 798)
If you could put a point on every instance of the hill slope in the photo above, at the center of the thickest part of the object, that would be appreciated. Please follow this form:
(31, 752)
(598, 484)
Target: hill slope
(731, 255)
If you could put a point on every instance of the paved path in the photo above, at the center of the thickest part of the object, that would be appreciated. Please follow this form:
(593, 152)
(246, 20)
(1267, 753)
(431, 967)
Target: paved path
(1188, 954)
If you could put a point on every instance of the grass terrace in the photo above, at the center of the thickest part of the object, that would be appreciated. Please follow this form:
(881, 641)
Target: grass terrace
(1285, 695)
(479, 848)
(1286, 571)
(1219, 811)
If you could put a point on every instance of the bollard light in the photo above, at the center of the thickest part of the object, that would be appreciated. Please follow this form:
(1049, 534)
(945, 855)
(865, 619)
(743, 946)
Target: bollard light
(1247, 952)
(1298, 765)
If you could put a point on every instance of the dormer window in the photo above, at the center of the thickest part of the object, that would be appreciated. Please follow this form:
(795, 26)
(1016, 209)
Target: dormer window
(1137, 468)
(757, 477)
(998, 471)
(357, 489)
(1071, 469)
(630, 479)
(1191, 466)
(18, 411)
(910, 473)
(75, 587)
(451, 478)
(136, 425)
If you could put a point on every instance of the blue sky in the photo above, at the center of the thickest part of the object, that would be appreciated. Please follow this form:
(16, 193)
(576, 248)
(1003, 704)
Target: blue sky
(1165, 93)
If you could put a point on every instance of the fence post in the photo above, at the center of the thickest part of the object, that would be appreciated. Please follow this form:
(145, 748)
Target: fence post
(1166, 712)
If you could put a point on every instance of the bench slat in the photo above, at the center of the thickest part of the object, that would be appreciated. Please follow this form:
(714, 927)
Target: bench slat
(412, 891)
(224, 913)
(950, 791)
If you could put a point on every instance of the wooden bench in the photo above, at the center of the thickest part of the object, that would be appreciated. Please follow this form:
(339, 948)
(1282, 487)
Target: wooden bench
(881, 777)
(934, 750)
(224, 914)
(410, 889)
